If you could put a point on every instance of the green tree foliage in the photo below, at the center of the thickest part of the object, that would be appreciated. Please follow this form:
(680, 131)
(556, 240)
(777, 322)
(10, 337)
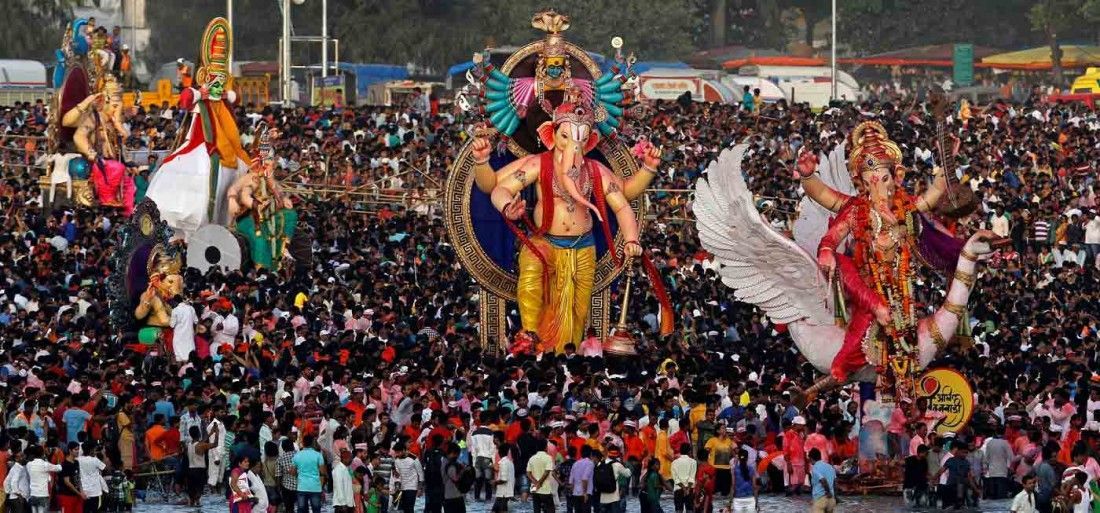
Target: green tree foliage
(1057, 20)
(435, 33)
(872, 26)
(33, 28)
(812, 11)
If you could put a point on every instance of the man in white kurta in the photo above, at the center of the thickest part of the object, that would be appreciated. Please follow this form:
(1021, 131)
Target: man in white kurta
(183, 324)
(225, 332)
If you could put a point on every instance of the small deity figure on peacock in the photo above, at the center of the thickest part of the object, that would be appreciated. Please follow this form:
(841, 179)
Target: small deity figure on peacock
(259, 210)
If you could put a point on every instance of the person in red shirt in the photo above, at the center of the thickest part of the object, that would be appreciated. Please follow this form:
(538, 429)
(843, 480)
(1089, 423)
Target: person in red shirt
(439, 429)
(633, 444)
(412, 430)
(512, 432)
(170, 439)
(844, 446)
(679, 438)
(705, 477)
(575, 442)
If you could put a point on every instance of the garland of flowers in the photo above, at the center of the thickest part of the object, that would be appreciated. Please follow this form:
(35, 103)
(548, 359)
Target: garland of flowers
(892, 281)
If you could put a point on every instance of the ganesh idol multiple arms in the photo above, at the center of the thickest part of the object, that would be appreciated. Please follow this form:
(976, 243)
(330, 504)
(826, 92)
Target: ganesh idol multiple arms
(809, 164)
(624, 215)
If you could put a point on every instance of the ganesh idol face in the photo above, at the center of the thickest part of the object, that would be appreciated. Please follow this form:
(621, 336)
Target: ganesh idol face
(879, 181)
(169, 286)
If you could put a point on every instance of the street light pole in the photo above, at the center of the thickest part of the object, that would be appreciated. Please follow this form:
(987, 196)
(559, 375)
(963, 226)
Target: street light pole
(324, 38)
(285, 79)
(229, 18)
(832, 55)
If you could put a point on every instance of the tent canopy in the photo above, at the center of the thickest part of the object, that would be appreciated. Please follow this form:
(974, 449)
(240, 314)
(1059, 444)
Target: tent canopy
(714, 57)
(942, 52)
(367, 74)
(1073, 56)
(776, 60)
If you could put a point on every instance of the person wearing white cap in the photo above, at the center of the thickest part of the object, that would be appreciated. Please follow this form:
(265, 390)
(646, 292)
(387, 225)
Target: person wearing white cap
(795, 454)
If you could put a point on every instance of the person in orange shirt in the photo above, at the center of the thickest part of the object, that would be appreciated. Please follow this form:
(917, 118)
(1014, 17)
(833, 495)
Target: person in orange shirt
(412, 430)
(697, 414)
(816, 440)
(794, 453)
(183, 74)
(663, 451)
(154, 444)
(635, 451)
(356, 406)
(1070, 438)
(593, 439)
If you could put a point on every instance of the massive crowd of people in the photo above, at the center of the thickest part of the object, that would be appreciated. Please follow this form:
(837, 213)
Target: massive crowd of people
(361, 378)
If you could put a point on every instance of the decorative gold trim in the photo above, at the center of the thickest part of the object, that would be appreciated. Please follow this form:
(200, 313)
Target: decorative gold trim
(937, 335)
(965, 277)
(968, 255)
(872, 345)
(599, 316)
(492, 311)
(956, 309)
(516, 149)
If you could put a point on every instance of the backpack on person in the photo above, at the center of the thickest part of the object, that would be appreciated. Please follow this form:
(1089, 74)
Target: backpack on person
(466, 478)
(603, 478)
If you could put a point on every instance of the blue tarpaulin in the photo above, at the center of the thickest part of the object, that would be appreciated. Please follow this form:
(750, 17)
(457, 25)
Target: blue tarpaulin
(644, 66)
(369, 74)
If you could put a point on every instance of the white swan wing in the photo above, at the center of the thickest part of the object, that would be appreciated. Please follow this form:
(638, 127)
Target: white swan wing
(762, 266)
(813, 219)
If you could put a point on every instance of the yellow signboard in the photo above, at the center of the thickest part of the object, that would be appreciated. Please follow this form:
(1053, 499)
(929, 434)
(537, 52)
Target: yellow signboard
(949, 393)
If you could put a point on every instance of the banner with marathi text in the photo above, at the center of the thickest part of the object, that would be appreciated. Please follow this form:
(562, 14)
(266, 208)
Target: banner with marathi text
(950, 393)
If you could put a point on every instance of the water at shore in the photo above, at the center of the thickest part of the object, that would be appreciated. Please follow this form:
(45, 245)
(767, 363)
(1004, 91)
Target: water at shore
(768, 504)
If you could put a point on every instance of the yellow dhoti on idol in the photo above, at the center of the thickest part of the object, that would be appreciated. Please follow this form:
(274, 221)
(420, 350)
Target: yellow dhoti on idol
(558, 311)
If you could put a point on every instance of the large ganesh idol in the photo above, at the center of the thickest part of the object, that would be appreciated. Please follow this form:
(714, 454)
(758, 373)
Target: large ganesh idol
(190, 185)
(145, 280)
(558, 184)
(853, 310)
(86, 132)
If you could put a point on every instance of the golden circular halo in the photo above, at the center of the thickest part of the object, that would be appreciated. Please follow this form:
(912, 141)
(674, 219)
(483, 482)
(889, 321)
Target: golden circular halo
(146, 225)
